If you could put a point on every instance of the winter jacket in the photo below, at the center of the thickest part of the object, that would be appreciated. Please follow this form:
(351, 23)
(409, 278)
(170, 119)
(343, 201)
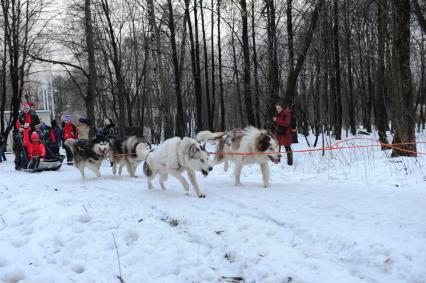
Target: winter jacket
(56, 132)
(34, 148)
(83, 130)
(282, 128)
(47, 135)
(31, 118)
(69, 131)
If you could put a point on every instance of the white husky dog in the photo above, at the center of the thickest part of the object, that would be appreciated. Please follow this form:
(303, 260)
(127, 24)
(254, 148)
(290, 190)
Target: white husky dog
(173, 157)
(248, 140)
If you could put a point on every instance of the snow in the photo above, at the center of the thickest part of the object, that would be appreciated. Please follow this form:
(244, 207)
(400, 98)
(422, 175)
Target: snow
(348, 216)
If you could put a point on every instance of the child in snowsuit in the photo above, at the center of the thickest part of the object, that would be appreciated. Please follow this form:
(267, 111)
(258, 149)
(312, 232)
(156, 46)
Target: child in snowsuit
(36, 151)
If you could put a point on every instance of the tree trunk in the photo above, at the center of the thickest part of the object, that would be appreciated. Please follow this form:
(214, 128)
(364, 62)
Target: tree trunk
(246, 54)
(255, 69)
(379, 99)
(163, 90)
(290, 34)
(351, 106)
(237, 80)
(180, 125)
(403, 98)
(213, 96)
(272, 55)
(206, 71)
(92, 78)
(292, 79)
(338, 96)
(219, 51)
(195, 70)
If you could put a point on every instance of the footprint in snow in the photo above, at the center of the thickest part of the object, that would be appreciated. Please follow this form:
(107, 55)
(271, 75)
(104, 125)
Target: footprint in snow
(84, 218)
(131, 236)
(77, 268)
(19, 243)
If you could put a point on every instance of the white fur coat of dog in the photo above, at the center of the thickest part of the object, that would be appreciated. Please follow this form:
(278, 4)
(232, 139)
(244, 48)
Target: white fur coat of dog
(249, 140)
(175, 156)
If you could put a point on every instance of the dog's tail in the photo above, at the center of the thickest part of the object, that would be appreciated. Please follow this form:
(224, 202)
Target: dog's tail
(70, 143)
(207, 136)
(146, 170)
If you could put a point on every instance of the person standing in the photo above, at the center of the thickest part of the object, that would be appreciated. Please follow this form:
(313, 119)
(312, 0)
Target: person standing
(69, 131)
(108, 130)
(83, 128)
(56, 136)
(282, 129)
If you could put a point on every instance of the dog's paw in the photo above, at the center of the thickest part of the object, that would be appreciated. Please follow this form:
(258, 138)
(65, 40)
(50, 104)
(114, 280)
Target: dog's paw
(266, 186)
(238, 184)
(201, 195)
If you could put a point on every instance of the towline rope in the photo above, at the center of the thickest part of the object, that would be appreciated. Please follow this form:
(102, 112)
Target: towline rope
(336, 146)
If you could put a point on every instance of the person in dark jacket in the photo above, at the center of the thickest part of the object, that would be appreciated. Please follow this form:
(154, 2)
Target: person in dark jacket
(56, 137)
(282, 129)
(69, 131)
(108, 130)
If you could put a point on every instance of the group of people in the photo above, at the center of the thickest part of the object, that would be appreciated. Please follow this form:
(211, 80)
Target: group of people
(34, 140)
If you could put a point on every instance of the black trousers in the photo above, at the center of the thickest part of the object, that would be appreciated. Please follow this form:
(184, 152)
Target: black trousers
(289, 155)
(69, 154)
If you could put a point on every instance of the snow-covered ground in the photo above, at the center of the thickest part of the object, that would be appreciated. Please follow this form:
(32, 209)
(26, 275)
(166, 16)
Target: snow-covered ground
(348, 216)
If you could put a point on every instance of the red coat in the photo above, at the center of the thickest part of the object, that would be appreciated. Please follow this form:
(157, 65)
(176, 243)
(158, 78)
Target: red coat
(34, 148)
(69, 131)
(283, 119)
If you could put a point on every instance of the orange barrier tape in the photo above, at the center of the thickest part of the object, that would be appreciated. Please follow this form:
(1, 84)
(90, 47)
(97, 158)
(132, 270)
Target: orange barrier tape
(336, 147)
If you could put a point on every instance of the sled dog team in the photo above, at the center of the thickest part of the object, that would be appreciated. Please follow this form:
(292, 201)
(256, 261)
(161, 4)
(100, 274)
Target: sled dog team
(177, 155)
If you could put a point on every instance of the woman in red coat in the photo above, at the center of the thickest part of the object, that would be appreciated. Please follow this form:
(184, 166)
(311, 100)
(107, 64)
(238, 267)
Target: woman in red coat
(282, 129)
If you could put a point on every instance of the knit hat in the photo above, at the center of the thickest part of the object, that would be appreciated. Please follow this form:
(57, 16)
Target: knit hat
(67, 117)
(53, 123)
(35, 136)
(84, 121)
(25, 106)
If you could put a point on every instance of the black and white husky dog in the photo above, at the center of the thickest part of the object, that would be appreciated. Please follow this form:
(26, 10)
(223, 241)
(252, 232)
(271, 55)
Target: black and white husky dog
(89, 153)
(130, 152)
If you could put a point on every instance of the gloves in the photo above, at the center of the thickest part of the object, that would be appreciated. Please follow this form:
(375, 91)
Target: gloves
(26, 125)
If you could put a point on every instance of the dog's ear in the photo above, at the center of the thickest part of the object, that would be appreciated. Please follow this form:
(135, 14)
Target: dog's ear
(193, 149)
(264, 141)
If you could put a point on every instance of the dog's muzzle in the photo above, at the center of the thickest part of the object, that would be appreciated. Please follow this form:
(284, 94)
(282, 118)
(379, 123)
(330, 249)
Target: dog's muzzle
(275, 160)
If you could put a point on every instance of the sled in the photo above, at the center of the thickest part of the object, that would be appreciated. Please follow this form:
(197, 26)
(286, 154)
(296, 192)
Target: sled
(52, 164)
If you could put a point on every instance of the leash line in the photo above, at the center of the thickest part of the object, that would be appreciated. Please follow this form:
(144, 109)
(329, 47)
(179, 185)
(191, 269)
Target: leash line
(336, 146)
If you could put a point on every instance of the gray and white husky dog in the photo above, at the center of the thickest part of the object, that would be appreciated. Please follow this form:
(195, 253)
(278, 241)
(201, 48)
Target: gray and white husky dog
(231, 146)
(130, 152)
(175, 156)
(89, 153)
